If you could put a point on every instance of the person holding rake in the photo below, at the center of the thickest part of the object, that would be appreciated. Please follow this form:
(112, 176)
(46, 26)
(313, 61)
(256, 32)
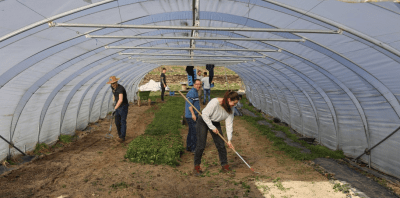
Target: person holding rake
(217, 109)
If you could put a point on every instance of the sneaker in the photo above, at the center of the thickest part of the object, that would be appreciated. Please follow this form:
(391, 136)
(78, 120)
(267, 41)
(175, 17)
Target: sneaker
(120, 139)
(197, 171)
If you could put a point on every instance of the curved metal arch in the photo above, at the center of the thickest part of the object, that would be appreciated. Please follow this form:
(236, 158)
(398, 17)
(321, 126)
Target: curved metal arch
(45, 21)
(390, 96)
(65, 82)
(77, 86)
(280, 89)
(324, 72)
(379, 86)
(266, 84)
(352, 97)
(318, 89)
(52, 50)
(134, 66)
(123, 69)
(305, 94)
(294, 96)
(104, 95)
(137, 72)
(87, 90)
(245, 77)
(269, 84)
(129, 78)
(110, 94)
(386, 49)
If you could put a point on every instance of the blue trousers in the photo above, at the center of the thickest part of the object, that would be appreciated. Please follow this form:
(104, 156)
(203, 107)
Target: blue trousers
(191, 138)
(207, 92)
(120, 120)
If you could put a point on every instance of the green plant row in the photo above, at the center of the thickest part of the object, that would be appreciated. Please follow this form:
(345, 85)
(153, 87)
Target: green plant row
(162, 142)
(317, 151)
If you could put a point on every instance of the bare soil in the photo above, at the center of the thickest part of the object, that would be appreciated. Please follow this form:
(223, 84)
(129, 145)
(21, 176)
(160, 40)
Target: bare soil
(94, 166)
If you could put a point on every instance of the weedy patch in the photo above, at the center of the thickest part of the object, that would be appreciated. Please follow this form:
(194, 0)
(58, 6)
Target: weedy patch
(41, 148)
(119, 185)
(345, 188)
(278, 184)
(317, 151)
(162, 142)
(65, 138)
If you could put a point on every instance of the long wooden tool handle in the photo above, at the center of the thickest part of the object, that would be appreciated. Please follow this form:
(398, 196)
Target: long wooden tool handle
(218, 133)
(200, 115)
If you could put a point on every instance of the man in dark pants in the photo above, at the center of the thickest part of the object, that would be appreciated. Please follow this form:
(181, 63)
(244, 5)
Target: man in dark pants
(163, 83)
(191, 115)
(121, 108)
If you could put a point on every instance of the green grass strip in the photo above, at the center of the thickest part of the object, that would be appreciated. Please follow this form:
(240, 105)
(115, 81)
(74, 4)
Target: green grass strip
(317, 151)
(162, 142)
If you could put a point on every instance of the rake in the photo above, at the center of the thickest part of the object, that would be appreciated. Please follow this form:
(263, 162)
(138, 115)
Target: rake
(109, 135)
(220, 135)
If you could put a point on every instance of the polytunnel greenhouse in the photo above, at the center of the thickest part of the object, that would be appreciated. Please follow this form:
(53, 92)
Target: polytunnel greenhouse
(329, 69)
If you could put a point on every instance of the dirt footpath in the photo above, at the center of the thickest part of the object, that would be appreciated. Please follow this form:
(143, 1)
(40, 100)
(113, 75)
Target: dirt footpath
(95, 167)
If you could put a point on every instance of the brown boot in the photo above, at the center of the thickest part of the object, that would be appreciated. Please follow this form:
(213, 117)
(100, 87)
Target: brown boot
(226, 169)
(197, 171)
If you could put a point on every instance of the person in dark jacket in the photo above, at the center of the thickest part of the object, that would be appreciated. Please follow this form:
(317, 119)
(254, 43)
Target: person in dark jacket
(121, 107)
(163, 83)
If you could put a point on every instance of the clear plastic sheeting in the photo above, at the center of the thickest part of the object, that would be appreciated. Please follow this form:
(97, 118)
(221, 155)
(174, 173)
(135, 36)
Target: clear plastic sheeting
(341, 89)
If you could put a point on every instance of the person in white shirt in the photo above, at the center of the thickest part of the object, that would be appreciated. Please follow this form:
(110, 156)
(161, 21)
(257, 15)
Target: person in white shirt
(217, 109)
(206, 87)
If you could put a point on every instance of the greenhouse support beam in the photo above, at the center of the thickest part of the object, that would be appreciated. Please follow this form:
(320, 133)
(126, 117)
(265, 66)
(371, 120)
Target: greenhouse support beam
(367, 151)
(144, 54)
(196, 23)
(193, 38)
(11, 144)
(186, 59)
(201, 49)
(54, 24)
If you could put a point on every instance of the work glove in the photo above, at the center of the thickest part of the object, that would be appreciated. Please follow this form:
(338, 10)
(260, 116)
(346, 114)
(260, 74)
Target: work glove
(113, 112)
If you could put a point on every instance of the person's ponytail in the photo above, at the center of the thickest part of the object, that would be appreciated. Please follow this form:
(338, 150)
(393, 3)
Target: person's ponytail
(232, 95)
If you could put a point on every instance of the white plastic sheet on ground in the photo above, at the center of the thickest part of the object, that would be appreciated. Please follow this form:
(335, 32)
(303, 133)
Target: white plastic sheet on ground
(152, 86)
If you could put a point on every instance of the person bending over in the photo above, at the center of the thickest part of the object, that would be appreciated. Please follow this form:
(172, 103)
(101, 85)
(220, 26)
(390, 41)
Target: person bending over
(121, 108)
(217, 109)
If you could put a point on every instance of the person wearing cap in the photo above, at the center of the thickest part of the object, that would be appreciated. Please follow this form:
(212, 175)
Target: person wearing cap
(121, 107)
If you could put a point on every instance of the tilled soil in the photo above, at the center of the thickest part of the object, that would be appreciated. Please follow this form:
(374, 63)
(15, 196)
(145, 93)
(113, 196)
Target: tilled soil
(95, 166)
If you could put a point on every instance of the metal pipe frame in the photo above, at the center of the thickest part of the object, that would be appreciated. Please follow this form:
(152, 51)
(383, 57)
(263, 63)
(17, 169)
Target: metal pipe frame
(54, 24)
(187, 55)
(160, 60)
(196, 23)
(194, 38)
(185, 59)
(201, 49)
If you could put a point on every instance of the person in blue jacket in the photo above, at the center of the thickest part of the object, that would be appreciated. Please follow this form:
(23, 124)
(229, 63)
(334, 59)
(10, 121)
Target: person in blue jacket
(191, 115)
